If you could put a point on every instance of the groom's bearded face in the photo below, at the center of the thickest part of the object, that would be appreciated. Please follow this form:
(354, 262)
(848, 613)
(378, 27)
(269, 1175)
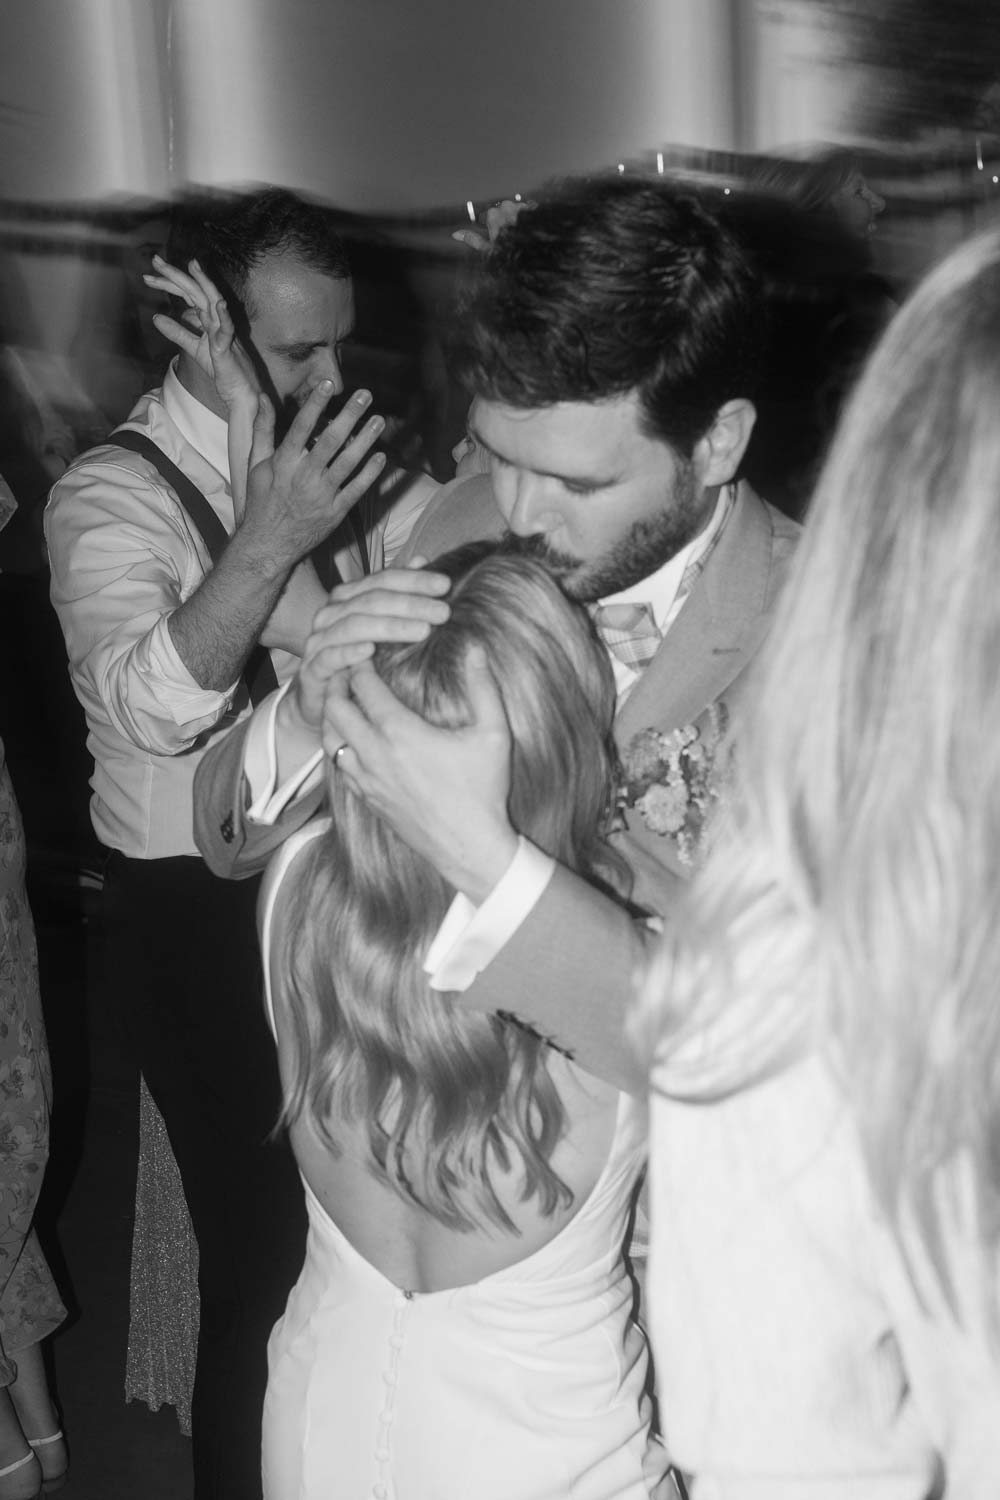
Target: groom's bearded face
(587, 492)
(299, 319)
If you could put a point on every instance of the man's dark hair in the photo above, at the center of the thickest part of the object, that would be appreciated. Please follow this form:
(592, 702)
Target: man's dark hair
(231, 237)
(611, 285)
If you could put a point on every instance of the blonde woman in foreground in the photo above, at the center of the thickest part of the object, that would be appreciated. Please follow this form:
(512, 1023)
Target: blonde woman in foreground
(462, 1326)
(825, 1102)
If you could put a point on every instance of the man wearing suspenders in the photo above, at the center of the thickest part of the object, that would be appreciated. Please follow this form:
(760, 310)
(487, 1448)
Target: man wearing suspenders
(178, 617)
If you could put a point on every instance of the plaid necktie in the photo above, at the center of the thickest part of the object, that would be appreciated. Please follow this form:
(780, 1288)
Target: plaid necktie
(629, 631)
(694, 569)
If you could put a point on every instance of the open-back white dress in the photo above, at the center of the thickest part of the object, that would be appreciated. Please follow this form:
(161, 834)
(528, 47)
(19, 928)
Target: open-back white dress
(526, 1385)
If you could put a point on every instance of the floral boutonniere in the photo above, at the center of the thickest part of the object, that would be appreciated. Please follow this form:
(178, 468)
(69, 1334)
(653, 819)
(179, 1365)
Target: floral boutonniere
(671, 780)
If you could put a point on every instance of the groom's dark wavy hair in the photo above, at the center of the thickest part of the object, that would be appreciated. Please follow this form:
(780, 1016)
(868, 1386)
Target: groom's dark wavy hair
(611, 285)
(231, 235)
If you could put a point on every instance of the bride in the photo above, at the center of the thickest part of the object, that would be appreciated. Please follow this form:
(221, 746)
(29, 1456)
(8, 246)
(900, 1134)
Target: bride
(462, 1324)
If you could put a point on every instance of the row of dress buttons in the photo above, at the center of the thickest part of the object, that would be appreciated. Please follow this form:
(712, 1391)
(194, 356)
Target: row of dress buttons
(390, 1377)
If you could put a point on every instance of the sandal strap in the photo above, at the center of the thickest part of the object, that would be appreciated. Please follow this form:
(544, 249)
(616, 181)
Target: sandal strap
(56, 1437)
(18, 1463)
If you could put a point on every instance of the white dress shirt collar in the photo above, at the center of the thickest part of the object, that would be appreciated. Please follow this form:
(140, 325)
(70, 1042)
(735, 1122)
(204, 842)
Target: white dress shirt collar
(206, 432)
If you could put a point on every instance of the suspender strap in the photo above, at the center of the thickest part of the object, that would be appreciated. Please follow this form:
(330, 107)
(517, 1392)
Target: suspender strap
(259, 677)
(200, 513)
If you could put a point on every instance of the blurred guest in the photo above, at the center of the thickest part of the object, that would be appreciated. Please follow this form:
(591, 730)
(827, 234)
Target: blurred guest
(118, 352)
(32, 1448)
(167, 571)
(59, 414)
(468, 454)
(833, 181)
(470, 457)
(493, 220)
(802, 222)
(164, 1309)
(824, 1119)
(37, 444)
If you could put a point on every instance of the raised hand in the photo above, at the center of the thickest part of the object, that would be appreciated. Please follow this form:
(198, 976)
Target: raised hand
(497, 217)
(300, 492)
(397, 604)
(214, 347)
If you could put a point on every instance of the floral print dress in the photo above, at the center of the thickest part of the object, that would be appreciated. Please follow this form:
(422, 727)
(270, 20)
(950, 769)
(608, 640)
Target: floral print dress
(30, 1306)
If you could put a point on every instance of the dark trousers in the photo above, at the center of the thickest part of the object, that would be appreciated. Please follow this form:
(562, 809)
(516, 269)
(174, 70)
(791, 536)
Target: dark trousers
(183, 967)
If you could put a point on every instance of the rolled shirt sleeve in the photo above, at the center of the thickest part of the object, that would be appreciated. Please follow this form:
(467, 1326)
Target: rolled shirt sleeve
(122, 561)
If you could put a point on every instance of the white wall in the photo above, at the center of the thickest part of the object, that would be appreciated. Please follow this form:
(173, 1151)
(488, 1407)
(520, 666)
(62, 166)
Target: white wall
(802, 88)
(82, 99)
(390, 104)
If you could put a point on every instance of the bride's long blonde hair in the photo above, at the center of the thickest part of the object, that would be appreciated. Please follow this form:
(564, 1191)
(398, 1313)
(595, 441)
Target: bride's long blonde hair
(447, 1098)
(851, 900)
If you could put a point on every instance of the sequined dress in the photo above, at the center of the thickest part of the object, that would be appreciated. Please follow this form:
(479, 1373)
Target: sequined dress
(526, 1385)
(30, 1306)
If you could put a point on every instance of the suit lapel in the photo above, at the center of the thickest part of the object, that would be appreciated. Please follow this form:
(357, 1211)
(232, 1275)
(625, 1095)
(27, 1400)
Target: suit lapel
(716, 633)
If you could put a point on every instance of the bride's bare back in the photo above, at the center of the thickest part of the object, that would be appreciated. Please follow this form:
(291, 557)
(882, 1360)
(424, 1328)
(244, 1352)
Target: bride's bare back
(405, 1243)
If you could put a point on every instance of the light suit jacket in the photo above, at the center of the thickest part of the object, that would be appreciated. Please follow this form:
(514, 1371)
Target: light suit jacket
(572, 965)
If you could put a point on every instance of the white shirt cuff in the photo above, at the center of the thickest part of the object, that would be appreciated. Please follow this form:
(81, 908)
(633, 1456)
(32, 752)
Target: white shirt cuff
(260, 767)
(470, 937)
(156, 669)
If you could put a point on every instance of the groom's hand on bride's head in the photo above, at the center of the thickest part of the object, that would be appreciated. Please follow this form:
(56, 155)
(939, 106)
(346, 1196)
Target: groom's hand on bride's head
(444, 791)
(397, 605)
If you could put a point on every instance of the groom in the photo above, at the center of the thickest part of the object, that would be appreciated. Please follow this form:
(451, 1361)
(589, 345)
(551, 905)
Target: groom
(609, 348)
